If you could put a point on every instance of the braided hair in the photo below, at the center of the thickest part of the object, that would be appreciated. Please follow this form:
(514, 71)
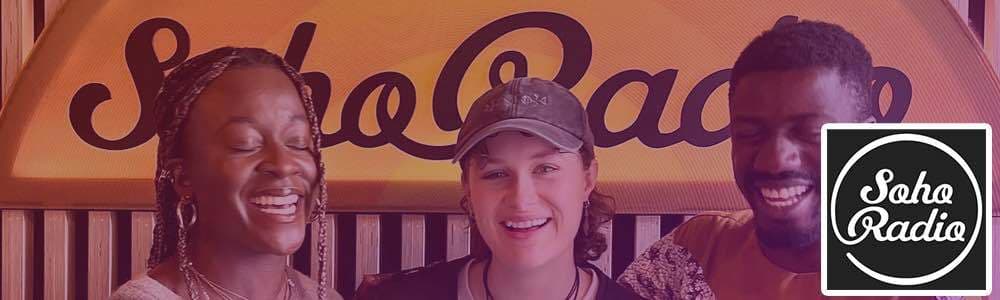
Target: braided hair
(173, 106)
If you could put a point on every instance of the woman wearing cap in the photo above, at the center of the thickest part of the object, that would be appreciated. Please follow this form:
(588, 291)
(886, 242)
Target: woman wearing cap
(239, 175)
(528, 172)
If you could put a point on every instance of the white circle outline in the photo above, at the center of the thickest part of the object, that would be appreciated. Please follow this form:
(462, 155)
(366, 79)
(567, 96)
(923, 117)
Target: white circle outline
(910, 137)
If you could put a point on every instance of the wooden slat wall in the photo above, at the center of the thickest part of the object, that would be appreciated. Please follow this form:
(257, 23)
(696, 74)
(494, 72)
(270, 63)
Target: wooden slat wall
(413, 233)
(17, 32)
(12, 12)
(51, 8)
(103, 257)
(367, 251)
(991, 32)
(142, 240)
(18, 255)
(991, 27)
(60, 265)
(647, 232)
(458, 236)
(962, 7)
(19, 227)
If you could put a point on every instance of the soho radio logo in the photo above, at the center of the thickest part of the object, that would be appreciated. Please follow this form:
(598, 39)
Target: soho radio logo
(906, 209)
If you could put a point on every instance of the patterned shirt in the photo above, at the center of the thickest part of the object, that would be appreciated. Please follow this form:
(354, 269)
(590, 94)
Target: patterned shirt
(726, 254)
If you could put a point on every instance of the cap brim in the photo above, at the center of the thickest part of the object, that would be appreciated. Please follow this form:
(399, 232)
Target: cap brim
(554, 135)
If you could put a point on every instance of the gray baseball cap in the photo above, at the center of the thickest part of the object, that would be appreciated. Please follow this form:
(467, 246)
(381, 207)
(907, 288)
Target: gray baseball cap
(536, 106)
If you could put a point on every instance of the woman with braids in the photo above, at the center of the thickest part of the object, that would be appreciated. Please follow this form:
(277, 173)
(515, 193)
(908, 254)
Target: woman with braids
(528, 172)
(239, 175)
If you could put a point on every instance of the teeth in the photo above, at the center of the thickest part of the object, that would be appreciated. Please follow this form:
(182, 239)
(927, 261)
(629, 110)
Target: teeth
(525, 224)
(275, 200)
(285, 210)
(784, 196)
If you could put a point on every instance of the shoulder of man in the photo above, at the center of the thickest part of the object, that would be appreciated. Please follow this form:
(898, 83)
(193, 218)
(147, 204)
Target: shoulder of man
(666, 270)
(700, 233)
(435, 281)
(671, 267)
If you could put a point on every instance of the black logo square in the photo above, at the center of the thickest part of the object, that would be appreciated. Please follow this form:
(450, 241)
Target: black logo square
(906, 209)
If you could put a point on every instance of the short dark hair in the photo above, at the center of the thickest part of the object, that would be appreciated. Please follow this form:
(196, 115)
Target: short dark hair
(809, 44)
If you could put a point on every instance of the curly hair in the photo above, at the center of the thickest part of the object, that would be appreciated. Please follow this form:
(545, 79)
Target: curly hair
(808, 44)
(589, 242)
(172, 107)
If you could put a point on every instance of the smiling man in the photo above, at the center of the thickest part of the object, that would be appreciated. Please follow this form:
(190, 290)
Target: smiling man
(785, 85)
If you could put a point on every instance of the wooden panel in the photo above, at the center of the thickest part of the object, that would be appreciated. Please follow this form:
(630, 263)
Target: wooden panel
(51, 8)
(991, 34)
(458, 236)
(413, 242)
(11, 15)
(60, 234)
(367, 247)
(102, 259)
(331, 232)
(18, 253)
(962, 7)
(17, 31)
(647, 232)
(604, 261)
(27, 37)
(142, 240)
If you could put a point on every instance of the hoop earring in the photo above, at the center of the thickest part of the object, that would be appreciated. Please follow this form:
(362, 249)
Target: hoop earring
(186, 201)
(184, 261)
(165, 176)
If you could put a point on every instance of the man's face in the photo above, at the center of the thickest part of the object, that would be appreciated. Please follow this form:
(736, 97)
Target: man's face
(776, 121)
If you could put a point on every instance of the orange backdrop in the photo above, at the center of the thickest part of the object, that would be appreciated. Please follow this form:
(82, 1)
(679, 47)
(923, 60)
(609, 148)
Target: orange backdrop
(75, 133)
